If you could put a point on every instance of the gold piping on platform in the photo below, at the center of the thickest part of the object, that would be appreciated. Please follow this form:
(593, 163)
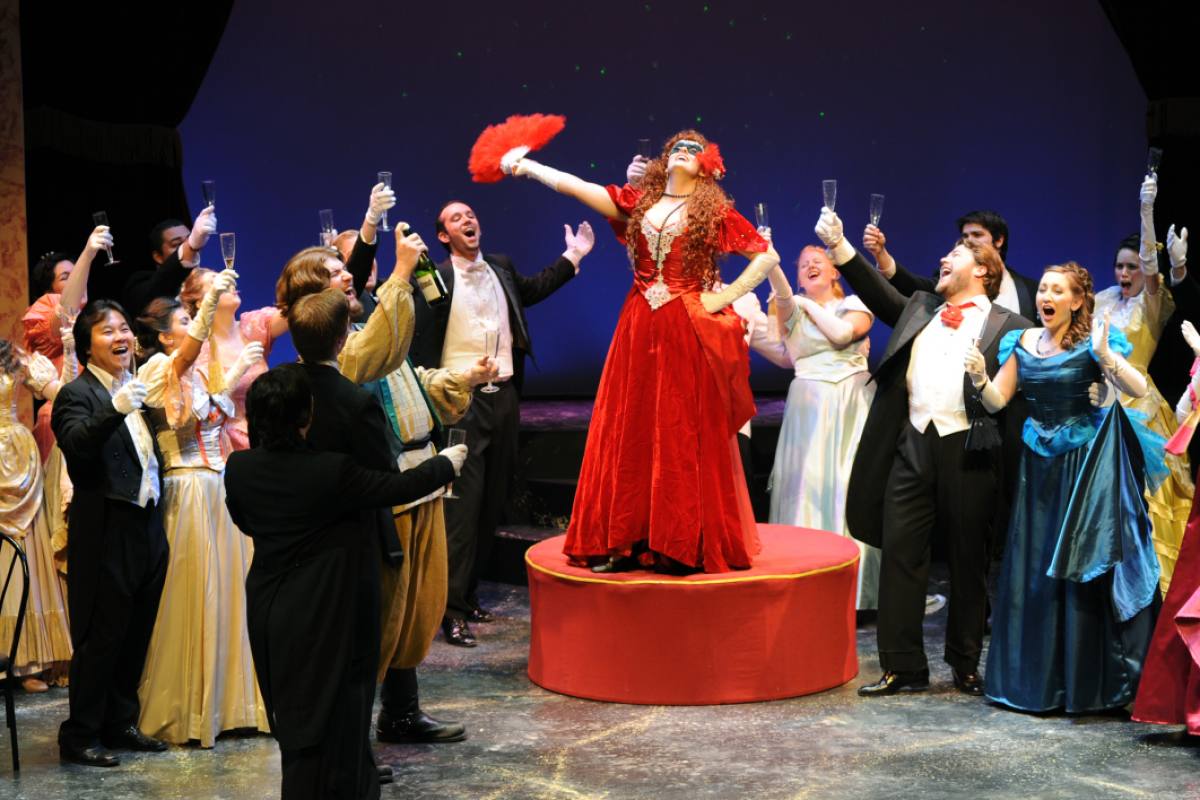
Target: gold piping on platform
(690, 583)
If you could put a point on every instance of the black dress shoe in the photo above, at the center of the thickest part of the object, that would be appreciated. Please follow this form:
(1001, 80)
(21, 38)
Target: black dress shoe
(893, 682)
(458, 633)
(417, 728)
(133, 739)
(477, 614)
(970, 684)
(384, 770)
(97, 756)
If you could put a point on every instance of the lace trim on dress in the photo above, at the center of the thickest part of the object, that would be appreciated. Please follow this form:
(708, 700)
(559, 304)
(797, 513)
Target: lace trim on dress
(660, 242)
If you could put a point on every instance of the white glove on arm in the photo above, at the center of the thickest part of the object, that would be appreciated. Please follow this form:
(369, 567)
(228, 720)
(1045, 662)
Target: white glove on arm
(1191, 336)
(251, 354)
(539, 172)
(1177, 247)
(457, 455)
(1149, 251)
(204, 227)
(382, 199)
(760, 265)
(836, 330)
(635, 173)
(129, 397)
(976, 367)
(830, 229)
(201, 326)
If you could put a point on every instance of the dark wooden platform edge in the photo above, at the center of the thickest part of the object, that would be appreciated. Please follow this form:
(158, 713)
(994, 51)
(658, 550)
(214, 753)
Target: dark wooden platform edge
(506, 563)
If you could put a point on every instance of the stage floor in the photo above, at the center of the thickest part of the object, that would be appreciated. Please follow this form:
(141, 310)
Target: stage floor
(525, 742)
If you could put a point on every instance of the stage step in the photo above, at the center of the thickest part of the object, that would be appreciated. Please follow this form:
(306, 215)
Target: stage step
(506, 564)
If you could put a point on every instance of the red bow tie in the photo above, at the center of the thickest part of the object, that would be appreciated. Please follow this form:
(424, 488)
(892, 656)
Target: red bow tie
(952, 314)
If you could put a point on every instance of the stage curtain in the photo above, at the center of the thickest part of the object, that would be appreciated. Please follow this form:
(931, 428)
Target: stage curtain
(105, 86)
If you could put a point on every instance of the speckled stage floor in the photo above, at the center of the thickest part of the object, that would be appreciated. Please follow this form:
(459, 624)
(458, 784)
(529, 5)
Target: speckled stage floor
(525, 742)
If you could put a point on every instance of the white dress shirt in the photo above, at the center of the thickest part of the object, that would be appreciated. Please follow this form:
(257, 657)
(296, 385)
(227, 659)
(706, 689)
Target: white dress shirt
(477, 305)
(1008, 299)
(143, 442)
(936, 369)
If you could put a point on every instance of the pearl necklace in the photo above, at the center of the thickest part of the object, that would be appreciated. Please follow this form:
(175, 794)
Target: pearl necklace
(1038, 345)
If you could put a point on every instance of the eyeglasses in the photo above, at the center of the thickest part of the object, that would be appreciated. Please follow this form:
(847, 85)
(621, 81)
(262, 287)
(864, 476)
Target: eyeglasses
(687, 144)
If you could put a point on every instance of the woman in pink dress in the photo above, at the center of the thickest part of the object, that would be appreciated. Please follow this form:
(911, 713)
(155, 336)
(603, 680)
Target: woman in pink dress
(662, 481)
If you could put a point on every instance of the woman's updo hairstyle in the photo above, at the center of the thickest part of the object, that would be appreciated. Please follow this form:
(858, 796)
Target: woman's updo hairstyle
(159, 317)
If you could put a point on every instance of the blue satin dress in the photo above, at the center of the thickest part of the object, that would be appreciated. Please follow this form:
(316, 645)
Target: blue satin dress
(1076, 604)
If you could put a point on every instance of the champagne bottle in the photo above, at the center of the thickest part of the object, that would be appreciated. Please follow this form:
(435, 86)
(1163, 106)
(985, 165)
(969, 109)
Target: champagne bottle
(428, 278)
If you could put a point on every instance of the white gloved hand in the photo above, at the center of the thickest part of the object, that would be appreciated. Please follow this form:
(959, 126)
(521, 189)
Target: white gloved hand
(764, 232)
(1177, 247)
(100, 238)
(129, 397)
(251, 354)
(582, 242)
(201, 326)
(829, 228)
(1100, 342)
(457, 455)
(382, 199)
(976, 366)
(1191, 337)
(539, 172)
(509, 160)
(1149, 191)
(635, 173)
(204, 227)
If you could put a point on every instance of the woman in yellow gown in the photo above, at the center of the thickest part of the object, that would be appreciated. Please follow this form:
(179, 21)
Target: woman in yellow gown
(1141, 304)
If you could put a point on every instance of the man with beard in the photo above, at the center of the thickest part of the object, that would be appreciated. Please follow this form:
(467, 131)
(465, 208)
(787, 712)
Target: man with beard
(914, 467)
(485, 291)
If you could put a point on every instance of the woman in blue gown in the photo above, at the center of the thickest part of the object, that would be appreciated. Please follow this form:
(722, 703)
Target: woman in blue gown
(1075, 608)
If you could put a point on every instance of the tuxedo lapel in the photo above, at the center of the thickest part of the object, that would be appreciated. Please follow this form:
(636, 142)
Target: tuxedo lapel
(515, 317)
(922, 315)
(995, 323)
(104, 397)
(446, 269)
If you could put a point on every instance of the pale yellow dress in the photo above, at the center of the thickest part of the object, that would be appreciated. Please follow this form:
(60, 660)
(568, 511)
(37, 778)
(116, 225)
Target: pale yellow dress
(46, 636)
(199, 678)
(1142, 320)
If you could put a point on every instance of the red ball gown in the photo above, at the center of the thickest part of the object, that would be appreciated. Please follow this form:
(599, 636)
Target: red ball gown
(662, 462)
(1170, 689)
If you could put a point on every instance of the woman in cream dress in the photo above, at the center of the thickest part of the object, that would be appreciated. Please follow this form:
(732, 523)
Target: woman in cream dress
(1141, 304)
(45, 644)
(825, 333)
(199, 678)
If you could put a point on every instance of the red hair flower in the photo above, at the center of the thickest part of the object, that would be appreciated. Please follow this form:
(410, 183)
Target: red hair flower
(711, 162)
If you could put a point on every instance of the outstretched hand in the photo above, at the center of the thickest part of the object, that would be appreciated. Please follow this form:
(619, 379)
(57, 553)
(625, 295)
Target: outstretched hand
(635, 173)
(100, 238)
(1191, 337)
(1149, 191)
(382, 199)
(1177, 247)
(829, 228)
(976, 366)
(582, 241)
(1100, 340)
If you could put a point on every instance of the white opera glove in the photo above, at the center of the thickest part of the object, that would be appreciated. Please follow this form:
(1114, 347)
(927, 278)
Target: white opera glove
(1192, 337)
(1177, 247)
(830, 229)
(754, 274)
(382, 199)
(457, 455)
(779, 284)
(204, 227)
(202, 324)
(539, 172)
(70, 366)
(509, 160)
(129, 397)
(976, 367)
(251, 354)
(764, 232)
(836, 330)
(1149, 251)
(579, 244)
(635, 173)
(1100, 343)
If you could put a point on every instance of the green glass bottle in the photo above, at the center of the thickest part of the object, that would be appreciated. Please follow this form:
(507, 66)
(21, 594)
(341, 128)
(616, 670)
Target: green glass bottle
(428, 279)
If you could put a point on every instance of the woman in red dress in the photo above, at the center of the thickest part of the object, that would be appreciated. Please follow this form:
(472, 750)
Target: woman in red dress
(662, 479)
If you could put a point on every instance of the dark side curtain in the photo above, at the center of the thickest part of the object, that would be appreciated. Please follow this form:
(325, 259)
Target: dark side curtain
(105, 85)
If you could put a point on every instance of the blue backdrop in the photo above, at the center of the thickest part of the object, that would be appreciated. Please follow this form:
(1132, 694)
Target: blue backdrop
(1031, 109)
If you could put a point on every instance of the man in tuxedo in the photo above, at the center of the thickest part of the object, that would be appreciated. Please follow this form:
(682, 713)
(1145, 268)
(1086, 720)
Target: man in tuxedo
(913, 468)
(484, 291)
(119, 549)
(176, 250)
(1017, 292)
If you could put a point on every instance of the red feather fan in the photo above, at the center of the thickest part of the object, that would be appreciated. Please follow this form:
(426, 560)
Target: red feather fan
(534, 131)
(711, 161)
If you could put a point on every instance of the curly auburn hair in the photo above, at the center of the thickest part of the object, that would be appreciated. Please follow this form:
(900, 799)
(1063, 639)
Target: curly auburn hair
(1081, 287)
(11, 358)
(705, 210)
(988, 258)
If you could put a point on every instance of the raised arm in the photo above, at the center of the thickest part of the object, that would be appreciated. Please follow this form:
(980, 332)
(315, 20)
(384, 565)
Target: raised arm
(592, 195)
(1126, 378)
(362, 256)
(905, 282)
(75, 291)
(201, 326)
(884, 301)
(1149, 250)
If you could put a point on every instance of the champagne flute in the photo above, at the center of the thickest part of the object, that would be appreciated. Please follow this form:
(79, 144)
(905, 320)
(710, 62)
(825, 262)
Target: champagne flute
(209, 188)
(491, 343)
(386, 179)
(98, 219)
(644, 148)
(326, 226)
(454, 437)
(830, 190)
(227, 246)
(760, 215)
(876, 209)
(1154, 160)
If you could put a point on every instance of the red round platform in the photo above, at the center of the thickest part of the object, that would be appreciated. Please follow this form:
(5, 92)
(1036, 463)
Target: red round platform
(783, 628)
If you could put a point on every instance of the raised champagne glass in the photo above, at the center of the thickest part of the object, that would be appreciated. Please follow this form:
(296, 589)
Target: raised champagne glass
(386, 179)
(1153, 161)
(326, 227)
(98, 219)
(644, 148)
(760, 215)
(227, 248)
(830, 190)
(209, 188)
(876, 209)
